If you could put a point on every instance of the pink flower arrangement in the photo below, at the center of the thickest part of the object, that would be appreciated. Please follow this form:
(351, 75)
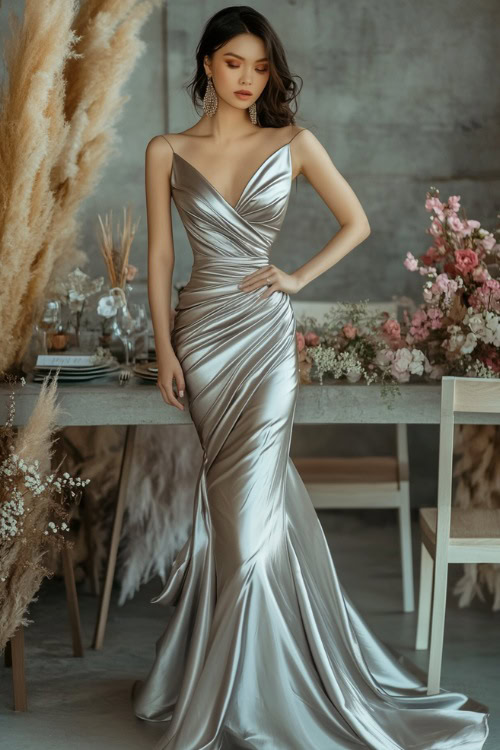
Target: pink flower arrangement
(455, 330)
(459, 318)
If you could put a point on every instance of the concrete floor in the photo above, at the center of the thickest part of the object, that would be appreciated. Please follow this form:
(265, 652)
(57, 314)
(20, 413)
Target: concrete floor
(78, 704)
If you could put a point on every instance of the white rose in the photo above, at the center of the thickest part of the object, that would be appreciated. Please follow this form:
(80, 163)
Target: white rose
(475, 323)
(416, 366)
(469, 344)
(384, 357)
(107, 306)
(75, 300)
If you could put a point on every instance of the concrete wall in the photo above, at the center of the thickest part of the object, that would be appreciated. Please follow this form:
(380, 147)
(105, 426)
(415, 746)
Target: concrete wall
(400, 94)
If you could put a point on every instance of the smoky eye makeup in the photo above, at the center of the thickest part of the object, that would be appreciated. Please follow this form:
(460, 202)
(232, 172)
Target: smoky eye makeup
(235, 65)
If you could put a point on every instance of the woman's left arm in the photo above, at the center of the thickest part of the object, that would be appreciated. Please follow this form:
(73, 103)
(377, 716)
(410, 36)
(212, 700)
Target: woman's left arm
(312, 160)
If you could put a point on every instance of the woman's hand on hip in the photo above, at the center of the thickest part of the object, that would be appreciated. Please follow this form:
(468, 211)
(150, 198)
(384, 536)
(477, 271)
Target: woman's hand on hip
(273, 278)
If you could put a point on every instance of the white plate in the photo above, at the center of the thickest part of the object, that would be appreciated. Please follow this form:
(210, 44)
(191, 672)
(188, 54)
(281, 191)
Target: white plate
(96, 368)
(74, 376)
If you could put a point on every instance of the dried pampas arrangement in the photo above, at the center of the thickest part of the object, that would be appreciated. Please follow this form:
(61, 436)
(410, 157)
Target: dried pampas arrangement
(34, 512)
(116, 255)
(66, 63)
(478, 486)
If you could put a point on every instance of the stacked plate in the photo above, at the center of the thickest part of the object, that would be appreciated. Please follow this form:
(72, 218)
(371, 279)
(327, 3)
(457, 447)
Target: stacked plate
(147, 372)
(73, 368)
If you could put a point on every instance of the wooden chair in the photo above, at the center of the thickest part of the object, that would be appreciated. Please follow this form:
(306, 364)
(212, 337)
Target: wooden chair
(452, 535)
(14, 651)
(365, 482)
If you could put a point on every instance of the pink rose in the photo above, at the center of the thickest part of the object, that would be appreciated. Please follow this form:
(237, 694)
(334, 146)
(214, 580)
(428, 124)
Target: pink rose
(486, 296)
(301, 342)
(435, 315)
(350, 331)
(454, 203)
(131, 272)
(419, 334)
(426, 270)
(435, 228)
(488, 242)
(434, 204)
(419, 317)
(406, 363)
(392, 328)
(410, 262)
(480, 274)
(470, 224)
(455, 224)
(466, 260)
(311, 338)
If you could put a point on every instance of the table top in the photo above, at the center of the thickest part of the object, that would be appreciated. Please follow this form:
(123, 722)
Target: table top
(104, 402)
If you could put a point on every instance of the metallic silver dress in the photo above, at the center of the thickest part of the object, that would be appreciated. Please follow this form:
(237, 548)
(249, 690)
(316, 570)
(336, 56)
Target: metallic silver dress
(265, 650)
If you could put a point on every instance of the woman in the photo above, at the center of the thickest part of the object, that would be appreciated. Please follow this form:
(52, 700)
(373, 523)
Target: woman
(264, 649)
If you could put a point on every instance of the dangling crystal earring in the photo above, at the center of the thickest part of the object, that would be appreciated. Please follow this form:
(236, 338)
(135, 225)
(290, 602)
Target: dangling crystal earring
(210, 99)
(252, 111)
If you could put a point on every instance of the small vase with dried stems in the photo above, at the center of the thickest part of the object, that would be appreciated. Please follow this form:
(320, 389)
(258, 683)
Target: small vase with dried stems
(116, 254)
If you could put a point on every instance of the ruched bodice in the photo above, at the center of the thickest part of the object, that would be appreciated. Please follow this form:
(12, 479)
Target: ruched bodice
(264, 649)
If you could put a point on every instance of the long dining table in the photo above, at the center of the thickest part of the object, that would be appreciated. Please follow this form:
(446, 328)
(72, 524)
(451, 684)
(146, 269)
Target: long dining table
(105, 402)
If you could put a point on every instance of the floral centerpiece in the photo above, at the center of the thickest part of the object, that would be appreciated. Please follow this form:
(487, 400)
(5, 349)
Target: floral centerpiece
(458, 323)
(74, 291)
(455, 330)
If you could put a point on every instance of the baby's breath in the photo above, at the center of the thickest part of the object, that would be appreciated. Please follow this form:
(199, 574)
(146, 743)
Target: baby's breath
(20, 479)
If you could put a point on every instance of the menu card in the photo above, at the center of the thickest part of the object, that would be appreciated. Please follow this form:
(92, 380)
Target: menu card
(73, 360)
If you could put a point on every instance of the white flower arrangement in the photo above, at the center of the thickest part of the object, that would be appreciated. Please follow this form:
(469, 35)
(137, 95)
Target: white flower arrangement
(16, 474)
(34, 506)
(76, 288)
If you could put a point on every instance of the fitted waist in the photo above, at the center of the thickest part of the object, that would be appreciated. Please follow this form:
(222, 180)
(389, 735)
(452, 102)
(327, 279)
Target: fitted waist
(223, 271)
(221, 262)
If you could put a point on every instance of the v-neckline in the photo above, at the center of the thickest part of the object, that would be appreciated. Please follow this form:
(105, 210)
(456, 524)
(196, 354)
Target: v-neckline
(253, 176)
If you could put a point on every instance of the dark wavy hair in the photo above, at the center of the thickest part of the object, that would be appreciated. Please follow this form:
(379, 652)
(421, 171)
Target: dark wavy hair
(274, 105)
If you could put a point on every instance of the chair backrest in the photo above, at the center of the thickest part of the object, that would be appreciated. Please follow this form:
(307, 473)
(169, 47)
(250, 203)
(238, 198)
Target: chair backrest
(462, 394)
(319, 310)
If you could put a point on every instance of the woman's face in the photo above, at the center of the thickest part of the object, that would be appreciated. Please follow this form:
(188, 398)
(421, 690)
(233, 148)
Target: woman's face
(240, 64)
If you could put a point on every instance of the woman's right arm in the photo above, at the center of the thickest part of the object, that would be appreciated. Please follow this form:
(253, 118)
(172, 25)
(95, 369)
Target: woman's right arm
(161, 260)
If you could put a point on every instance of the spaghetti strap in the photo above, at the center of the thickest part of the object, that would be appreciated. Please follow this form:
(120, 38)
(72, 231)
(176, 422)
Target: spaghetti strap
(296, 134)
(168, 143)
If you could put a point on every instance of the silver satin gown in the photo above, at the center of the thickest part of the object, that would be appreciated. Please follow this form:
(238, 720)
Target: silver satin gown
(265, 650)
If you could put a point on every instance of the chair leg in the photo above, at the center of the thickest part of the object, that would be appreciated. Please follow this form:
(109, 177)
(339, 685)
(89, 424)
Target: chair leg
(437, 624)
(7, 655)
(72, 600)
(18, 677)
(424, 598)
(406, 555)
(126, 463)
